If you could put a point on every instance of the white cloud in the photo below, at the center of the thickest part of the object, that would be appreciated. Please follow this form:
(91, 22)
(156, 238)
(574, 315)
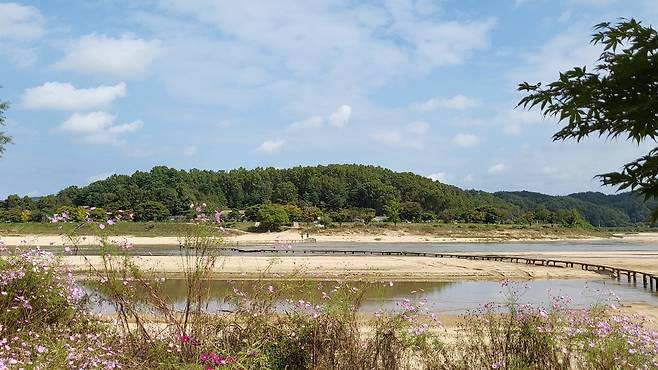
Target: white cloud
(469, 178)
(418, 127)
(312, 122)
(270, 146)
(439, 176)
(20, 27)
(497, 168)
(307, 53)
(125, 56)
(99, 127)
(126, 127)
(91, 122)
(341, 116)
(459, 102)
(64, 96)
(466, 140)
(20, 22)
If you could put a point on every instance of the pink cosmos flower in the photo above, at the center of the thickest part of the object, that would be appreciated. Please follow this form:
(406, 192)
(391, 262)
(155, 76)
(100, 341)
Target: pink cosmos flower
(101, 226)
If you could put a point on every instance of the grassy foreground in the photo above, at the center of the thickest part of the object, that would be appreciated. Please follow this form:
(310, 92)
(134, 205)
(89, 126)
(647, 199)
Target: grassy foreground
(47, 322)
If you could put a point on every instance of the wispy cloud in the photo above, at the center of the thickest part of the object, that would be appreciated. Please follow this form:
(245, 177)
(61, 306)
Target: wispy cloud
(104, 55)
(466, 140)
(312, 122)
(497, 168)
(99, 127)
(64, 96)
(418, 127)
(459, 102)
(341, 116)
(20, 22)
(270, 146)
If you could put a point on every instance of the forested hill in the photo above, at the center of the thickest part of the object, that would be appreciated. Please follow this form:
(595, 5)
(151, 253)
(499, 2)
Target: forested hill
(342, 192)
(597, 208)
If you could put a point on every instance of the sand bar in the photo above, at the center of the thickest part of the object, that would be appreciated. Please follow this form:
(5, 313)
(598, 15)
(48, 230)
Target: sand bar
(328, 267)
(255, 238)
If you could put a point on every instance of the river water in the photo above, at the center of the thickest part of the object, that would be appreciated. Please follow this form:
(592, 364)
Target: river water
(454, 297)
(447, 298)
(515, 247)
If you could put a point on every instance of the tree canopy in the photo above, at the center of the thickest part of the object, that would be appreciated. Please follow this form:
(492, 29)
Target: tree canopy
(4, 138)
(618, 99)
(341, 192)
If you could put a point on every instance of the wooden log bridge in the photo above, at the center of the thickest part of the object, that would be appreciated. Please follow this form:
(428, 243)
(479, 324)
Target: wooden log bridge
(649, 280)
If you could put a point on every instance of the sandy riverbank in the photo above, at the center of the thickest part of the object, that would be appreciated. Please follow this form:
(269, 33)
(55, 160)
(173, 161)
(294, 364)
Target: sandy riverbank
(256, 238)
(328, 267)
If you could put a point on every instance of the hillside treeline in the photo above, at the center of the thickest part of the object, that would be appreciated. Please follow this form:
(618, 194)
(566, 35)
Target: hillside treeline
(340, 192)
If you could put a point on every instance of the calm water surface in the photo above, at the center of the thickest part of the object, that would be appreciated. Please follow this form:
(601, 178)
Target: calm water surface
(569, 246)
(449, 298)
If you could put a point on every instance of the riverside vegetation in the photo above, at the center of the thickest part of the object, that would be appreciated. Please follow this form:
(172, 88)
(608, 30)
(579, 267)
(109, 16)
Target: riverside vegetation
(334, 193)
(46, 322)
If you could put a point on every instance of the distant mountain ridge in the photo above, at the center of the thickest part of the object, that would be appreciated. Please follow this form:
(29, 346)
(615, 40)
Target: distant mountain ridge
(598, 209)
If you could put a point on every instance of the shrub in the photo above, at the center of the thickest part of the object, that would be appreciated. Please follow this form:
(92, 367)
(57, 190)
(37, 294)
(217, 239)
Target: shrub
(272, 217)
(44, 321)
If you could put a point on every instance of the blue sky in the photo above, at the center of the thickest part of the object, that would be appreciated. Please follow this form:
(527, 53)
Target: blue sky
(102, 87)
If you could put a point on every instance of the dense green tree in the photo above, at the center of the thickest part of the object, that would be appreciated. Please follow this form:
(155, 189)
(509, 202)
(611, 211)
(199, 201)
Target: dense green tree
(235, 216)
(365, 214)
(411, 211)
(98, 214)
(14, 215)
(294, 212)
(541, 214)
(151, 210)
(341, 191)
(392, 212)
(325, 221)
(618, 98)
(311, 214)
(285, 192)
(343, 215)
(272, 217)
(427, 216)
(376, 195)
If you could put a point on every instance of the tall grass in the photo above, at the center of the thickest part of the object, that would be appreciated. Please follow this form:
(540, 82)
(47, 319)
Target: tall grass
(46, 323)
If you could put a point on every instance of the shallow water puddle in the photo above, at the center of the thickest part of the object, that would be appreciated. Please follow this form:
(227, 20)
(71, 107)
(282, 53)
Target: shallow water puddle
(451, 298)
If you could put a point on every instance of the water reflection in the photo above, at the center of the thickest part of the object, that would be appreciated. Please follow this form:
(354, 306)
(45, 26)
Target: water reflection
(441, 297)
